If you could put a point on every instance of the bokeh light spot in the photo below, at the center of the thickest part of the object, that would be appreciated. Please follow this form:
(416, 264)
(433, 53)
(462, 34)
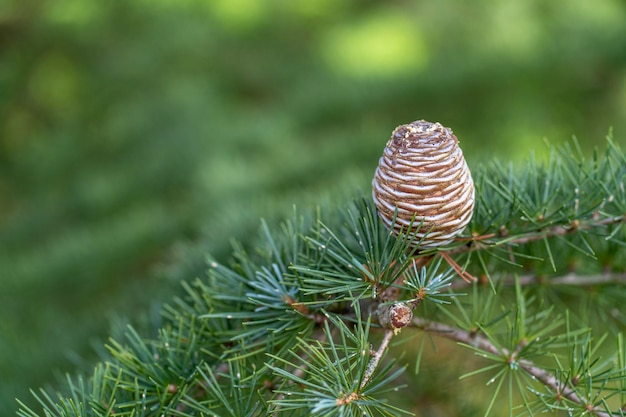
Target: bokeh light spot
(378, 46)
(72, 12)
(55, 84)
(239, 14)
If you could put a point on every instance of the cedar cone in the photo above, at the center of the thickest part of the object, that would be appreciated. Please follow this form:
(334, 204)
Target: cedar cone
(423, 175)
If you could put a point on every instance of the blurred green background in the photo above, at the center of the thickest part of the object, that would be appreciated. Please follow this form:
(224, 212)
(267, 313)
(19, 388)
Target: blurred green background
(136, 136)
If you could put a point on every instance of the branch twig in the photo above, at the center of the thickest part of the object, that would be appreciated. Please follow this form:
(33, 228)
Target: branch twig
(542, 233)
(550, 380)
(572, 279)
(373, 364)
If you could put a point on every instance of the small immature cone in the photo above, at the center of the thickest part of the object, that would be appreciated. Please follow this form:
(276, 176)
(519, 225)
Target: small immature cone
(395, 316)
(423, 174)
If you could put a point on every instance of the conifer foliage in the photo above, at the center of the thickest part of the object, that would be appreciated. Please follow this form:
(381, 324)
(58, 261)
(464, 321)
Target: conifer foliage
(302, 324)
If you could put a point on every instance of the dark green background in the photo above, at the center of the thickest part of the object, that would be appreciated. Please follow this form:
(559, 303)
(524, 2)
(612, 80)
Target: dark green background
(136, 136)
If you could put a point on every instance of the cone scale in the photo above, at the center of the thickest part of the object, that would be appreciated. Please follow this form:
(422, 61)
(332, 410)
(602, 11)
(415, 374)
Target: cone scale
(423, 175)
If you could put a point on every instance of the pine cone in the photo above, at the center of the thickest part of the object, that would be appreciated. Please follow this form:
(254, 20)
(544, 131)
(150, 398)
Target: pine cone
(423, 174)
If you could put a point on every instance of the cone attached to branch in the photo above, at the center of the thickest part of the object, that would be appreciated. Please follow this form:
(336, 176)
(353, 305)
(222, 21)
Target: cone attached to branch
(423, 175)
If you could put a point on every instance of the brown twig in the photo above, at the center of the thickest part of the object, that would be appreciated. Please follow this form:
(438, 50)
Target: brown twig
(467, 277)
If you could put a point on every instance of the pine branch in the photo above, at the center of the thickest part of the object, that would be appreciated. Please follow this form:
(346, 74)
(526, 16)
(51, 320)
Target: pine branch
(286, 328)
(561, 389)
(486, 242)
